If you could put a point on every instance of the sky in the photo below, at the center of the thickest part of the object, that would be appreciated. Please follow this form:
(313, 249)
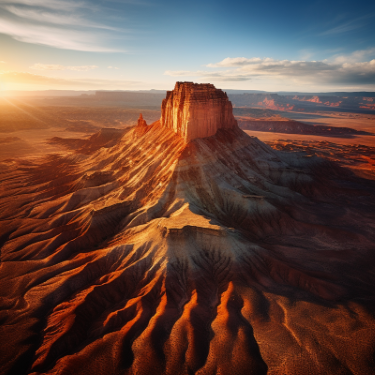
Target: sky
(315, 46)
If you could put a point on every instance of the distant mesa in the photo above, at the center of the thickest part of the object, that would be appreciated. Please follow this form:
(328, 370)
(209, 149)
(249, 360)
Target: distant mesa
(195, 110)
(314, 99)
(296, 127)
(289, 102)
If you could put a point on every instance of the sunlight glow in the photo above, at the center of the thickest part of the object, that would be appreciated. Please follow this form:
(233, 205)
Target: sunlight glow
(23, 110)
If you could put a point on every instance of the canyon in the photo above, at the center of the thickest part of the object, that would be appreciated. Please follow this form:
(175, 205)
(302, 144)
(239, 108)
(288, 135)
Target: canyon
(185, 246)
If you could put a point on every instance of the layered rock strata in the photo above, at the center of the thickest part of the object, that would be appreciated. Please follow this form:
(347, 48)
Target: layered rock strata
(195, 110)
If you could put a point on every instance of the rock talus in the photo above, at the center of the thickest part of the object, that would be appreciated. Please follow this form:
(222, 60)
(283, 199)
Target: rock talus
(196, 110)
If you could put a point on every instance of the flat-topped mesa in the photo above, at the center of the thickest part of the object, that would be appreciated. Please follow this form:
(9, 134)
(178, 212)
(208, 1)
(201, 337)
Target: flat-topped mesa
(196, 110)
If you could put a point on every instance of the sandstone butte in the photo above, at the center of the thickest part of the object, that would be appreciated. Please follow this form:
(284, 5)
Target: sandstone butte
(195, 110)
(185, 247)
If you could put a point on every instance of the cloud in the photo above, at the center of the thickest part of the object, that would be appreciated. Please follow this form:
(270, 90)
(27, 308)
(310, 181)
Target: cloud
(2, 62)
(349, 25)
(28, 78)
(235, 61)
(306, 54)
(58, 18)
(340, 70)
(82, 68)
(112, 67)
(217, 76)
(53, 37)
(34, 80)
(356, 56)
(51, 4)
(61, 24)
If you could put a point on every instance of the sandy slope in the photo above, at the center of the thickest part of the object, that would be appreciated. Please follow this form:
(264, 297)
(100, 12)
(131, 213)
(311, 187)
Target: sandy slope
(221, 256)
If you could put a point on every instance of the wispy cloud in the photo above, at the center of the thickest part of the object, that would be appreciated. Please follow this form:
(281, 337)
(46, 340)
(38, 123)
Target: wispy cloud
(2, 62)
(356, 56)
(57, 23)
(51, 4)
(306, 54)
(217, 76)
(349, 25)
(339, 70)
(112, 67)
(35, 80)
(57, 18)
(238, 61)
(81, 68)
(28, 78)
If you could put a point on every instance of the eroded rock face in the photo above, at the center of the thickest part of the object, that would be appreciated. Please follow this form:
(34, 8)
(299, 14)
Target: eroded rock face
(141, 121)
(195, 110)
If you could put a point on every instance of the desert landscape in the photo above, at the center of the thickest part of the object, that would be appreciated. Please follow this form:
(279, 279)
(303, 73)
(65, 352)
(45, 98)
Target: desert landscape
(35, 124)
(29, 123)
(187, 188)
(143, 240)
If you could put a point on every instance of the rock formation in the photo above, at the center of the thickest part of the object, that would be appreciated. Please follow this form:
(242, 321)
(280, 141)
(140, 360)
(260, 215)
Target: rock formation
(141, 127)
(141, 121)
(157, 256)
(196, 110)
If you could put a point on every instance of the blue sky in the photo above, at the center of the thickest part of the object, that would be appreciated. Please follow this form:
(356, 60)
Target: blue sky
(130, 44)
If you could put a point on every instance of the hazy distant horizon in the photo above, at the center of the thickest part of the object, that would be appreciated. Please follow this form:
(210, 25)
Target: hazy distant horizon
(57, 92)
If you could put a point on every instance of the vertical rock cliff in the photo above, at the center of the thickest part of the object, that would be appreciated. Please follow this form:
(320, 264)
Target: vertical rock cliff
(195, 110)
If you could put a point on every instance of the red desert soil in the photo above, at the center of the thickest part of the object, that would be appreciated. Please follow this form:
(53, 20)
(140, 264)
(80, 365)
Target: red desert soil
(156, 256)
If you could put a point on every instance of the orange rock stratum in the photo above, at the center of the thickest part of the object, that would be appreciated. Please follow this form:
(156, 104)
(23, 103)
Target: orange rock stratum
(150, 254)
